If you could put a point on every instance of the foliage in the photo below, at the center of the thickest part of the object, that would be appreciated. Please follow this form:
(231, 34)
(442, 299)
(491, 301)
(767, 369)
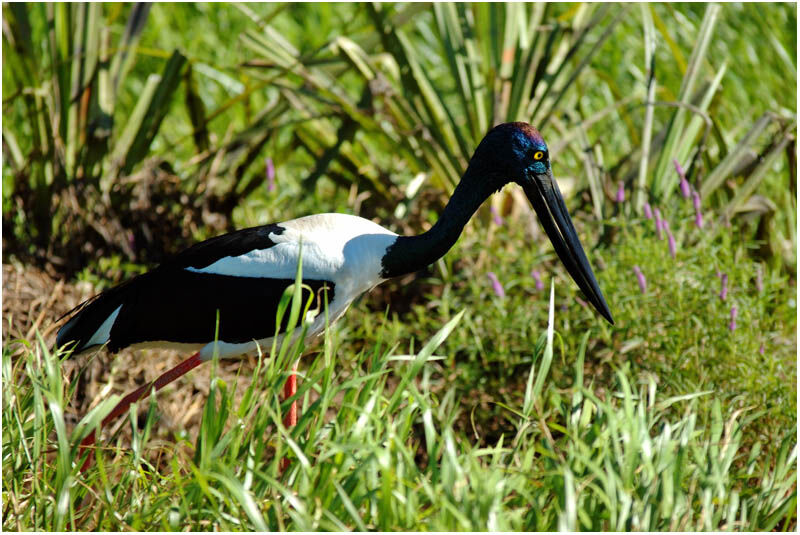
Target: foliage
(62, 80)
(426, 97)
(670, 420)
(81, 123)
(677, 329)
(384, 99)
(389, 457)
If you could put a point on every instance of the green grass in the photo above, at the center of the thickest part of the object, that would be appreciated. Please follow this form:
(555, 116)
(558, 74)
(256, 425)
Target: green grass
(242, 98)
(377, 447)
(435, 404)
(677, 331)
(469, 413)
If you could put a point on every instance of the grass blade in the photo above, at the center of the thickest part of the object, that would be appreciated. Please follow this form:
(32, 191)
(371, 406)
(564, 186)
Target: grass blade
(647, 129)
(677, 141)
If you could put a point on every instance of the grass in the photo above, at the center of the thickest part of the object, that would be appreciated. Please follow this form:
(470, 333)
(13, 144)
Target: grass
(677, 330)
(298, 99)
(436, 403)
(496, 421)
(377, 447)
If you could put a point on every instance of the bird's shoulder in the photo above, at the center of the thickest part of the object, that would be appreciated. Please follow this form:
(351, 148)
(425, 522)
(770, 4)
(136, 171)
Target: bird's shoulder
(332, 226)
(320, 228)
(236, 243)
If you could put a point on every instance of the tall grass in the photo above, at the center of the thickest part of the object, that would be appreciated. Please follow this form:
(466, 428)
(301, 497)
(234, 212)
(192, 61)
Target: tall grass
(416, 108)
(379, 101)
(375, 448)
(672, 420)
(64, 75)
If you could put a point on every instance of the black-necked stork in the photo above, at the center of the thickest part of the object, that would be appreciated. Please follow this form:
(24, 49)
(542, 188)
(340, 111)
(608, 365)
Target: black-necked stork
(242, 275)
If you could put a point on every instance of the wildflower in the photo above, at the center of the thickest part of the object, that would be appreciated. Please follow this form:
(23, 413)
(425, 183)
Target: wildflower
(723, 292)
(620, 192)
(496, 217)
(734, 313)
(640, 279)
(648, 212)
(537, 277)
(658, 223)
(698, 219)
(698, 213)
(270, 171)
(685, 189)
(496, 286)
(761, 349)
(671, 243)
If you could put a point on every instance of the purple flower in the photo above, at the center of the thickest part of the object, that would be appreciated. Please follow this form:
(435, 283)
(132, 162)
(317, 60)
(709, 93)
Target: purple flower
(496, 217)
(685, 189)
(640, 279)
(648, 212)
(698, 213)
(496, 286)
(761, 349)
(620, 192)
(678, 167)
(536, 277)
(723, 292)
(671, 243)
(270, 171)
(734, 313)
(658, 223)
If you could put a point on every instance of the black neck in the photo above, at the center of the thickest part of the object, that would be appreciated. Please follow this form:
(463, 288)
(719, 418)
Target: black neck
(413, 253)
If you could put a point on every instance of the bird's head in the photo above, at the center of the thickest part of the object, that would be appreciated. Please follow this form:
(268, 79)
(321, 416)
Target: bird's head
(516, 152)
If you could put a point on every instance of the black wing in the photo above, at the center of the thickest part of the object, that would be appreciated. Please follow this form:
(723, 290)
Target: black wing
(173, 304)
(236, 243)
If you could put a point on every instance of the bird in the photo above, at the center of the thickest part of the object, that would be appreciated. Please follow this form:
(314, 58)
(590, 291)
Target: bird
(221, 295)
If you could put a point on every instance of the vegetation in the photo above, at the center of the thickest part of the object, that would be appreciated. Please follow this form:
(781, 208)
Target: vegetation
(439, 402)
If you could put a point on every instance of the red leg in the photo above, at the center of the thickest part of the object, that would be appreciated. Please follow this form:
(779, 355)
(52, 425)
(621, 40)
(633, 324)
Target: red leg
(169, 376)
(290, 419)
(289, 390)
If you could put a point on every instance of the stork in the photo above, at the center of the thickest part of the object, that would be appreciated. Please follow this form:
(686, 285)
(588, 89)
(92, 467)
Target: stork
(235, 281)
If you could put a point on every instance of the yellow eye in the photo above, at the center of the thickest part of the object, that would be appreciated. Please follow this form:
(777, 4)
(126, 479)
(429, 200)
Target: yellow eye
(538, 155)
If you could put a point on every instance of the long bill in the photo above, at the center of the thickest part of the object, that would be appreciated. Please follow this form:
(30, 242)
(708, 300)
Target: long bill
(543, 193)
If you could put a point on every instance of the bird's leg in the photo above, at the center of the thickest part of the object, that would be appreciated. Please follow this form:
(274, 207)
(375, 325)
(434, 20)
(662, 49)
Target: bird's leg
(138, 394)
(290, 419)
(289, 390)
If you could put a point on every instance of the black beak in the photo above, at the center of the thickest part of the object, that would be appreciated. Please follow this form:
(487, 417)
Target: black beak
(543, 193)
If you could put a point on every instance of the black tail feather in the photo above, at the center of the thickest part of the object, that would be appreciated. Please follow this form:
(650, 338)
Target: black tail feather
(87, 317)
